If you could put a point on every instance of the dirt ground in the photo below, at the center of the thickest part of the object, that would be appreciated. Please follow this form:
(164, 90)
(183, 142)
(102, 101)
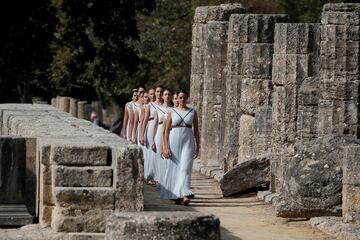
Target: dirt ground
(243, 217)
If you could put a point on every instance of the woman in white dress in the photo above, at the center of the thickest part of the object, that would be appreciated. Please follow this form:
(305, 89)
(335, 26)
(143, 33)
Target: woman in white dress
(161, 112)
(126, 131)
(137, 106)
(181, 142)
(146, 138)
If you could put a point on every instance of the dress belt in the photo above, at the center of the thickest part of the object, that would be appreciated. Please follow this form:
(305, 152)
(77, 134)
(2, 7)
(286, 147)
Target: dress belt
(150, 119)
(160, 123)
(187, 126)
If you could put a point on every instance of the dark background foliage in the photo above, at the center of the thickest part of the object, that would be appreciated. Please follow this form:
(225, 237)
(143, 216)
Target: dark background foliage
(101, 49)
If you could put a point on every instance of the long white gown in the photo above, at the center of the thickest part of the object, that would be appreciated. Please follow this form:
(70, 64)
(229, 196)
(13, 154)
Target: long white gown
(177, 178)
(149, 154)
(129, 108)
(159, 161)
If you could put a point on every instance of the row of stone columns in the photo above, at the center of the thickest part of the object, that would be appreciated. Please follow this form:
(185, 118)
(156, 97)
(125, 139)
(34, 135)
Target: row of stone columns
(77, 108)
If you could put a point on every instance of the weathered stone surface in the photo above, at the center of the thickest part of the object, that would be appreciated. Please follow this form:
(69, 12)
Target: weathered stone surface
(84, 110)
(162, 225)
(234, 59)
(351, 166)
(254, 93)
(246, 175)
(257, 60)
(82, 176)
(216, 13)
(336, 228)
(64, 220)
(86, 236)
(196, 92)
(198, 34)
(296, 38)
(263, 130)
(254, 28)
(78, 199)
(313, 178)
(341, 14)
(82, 153)
(339, 33)
(232, 118)
(291, 68)
(246, 137)
(53, 102)
(197, 60)
(338, 117)
(351, 203)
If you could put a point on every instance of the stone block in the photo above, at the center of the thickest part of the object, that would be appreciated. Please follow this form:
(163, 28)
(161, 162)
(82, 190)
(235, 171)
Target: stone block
(45, 214)
(86, 236)
(162, 225)
(82, 153)
(284, 113)
(291, 68)
(346, 91)
(198, 34)
(31, 175)
(215, 52)
(313, 177)
(307, 122)
(263, 130)
(254, 93)
(335, 33)
(309, 92)
(246, 175)
(296, 38)
(257, 60)
(128, 178)
(351, 166)
(351, 203)
(234, 59)
(94, 220)
(217, 13)
(246, 137)
(84, 198)
(338, 117)
(197, 60)
(73, 107)
(65, 176)
(341, 14)
(254, 28)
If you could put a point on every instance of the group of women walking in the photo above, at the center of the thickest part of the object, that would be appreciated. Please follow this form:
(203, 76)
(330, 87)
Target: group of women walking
(167, 130)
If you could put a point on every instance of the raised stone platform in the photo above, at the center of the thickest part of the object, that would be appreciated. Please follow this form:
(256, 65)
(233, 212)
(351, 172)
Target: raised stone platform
(82, 173)
(162, 226)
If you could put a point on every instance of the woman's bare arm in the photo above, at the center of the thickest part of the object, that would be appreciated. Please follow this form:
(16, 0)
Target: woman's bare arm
(135, 123)
(125, 122)
(197, 135)
(167, 128)
(156, 121)
(144, 121)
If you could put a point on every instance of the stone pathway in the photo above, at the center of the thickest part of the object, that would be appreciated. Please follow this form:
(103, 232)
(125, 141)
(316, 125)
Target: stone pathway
(242, 217)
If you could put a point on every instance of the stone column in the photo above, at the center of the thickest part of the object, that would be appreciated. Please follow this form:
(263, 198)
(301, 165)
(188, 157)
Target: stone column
(73, 107)
(64, 104)
(213, 93)
(339, 75)
(199, 37)
(83, 110)
(295, 59)
(255, 36)
(53, 102)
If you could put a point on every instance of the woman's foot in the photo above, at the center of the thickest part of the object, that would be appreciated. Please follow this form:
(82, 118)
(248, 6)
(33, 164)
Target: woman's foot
(178, 201)
(192, 196)
(185, 201)
(151, 182)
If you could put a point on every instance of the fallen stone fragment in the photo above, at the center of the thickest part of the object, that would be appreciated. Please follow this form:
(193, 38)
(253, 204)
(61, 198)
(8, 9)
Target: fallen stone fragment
(246, 175)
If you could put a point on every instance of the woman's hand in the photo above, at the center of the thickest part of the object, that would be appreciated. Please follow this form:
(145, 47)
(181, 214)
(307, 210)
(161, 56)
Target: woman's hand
(196, 154)
(141, 140)
(153, 147)
(167, 153)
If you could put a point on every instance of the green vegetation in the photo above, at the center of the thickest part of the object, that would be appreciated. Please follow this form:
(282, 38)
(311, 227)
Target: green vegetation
(102, 48)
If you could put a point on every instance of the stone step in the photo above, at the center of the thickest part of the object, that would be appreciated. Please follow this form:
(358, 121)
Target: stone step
(14, 215)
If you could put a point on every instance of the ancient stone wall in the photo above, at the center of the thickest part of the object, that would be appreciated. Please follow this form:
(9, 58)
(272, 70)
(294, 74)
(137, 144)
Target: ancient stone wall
(84, 173)
(290, 93)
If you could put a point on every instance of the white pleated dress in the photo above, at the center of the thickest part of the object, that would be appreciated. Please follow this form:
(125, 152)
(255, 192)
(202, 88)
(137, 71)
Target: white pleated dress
(159, 161)
(177, 178)
(129, 109)
(149, 154)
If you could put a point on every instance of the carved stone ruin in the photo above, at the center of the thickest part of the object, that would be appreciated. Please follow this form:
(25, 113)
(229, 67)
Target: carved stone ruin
(291, 93)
